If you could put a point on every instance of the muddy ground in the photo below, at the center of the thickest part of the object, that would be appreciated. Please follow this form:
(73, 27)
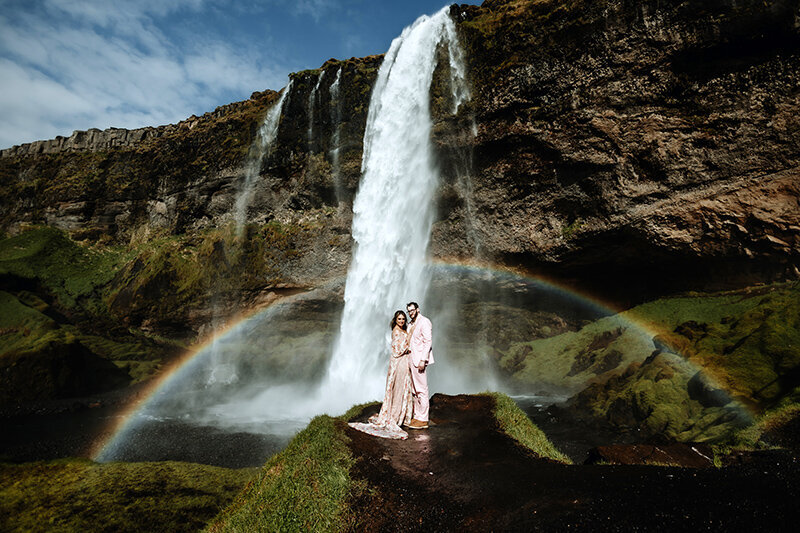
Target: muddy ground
(463, 474)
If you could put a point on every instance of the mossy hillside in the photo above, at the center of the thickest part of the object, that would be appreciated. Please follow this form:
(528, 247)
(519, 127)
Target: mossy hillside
(749, 341)
(746, 339)
(566, 362)
(55, 324)
(519, 427)
(93, 301)
(80, 495)
(655, 398)
(172, 277)
(40, 360)
(18, 321)
(772, 429)
(73, 276)
(744, 342)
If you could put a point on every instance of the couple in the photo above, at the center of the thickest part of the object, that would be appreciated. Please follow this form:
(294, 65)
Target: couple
(406, 399)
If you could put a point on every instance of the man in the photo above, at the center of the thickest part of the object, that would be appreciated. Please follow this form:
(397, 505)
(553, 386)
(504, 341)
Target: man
(420, 346)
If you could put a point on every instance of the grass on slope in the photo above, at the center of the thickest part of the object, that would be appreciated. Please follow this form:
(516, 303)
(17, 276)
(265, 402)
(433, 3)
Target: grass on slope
(750, 342)
(519, 427)
(306, 487)
(80, 495)
(74, 275)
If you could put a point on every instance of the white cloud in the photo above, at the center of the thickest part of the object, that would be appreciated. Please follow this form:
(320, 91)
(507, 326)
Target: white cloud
(315, 8)
(97, 64)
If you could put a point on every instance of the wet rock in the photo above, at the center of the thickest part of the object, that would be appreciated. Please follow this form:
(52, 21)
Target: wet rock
(707, 394)
(675, 454)
(462, 475)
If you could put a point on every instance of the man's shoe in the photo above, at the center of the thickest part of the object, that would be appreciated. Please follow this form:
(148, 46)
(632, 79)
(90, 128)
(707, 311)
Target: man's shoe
(417, 424)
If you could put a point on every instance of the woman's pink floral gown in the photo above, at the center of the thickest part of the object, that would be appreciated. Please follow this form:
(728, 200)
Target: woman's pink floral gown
(397, 402)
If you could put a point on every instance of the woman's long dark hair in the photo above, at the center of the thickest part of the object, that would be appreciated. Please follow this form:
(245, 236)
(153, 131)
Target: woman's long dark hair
(394, 320)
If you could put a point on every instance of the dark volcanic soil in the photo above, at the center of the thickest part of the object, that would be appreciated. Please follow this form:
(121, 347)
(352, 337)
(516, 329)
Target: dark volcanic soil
(464, 474)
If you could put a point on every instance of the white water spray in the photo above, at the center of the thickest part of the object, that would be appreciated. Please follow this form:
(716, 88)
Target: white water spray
(261, 148)
(394, 209)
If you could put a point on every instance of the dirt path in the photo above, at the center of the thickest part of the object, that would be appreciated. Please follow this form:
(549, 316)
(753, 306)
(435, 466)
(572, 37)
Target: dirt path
(462, 474)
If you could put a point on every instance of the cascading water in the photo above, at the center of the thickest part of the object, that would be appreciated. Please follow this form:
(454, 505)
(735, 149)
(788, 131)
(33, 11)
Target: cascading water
(393, 211)
(261, 148)
(336, 119)
(312, 101)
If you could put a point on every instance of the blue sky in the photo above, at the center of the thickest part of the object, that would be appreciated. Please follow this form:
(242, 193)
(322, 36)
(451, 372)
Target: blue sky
(72, 65)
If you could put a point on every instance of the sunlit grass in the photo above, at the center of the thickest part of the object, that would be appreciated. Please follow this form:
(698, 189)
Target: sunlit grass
(306, 487)
(519, 427)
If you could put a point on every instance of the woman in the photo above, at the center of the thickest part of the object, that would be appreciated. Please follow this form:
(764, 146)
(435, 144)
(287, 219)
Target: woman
(397, 405)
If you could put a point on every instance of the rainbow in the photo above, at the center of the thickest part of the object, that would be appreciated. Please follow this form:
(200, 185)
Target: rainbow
(116, 431)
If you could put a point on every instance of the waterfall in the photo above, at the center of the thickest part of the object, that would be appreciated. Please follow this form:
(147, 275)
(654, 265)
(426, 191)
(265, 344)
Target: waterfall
(261, 148)
(336, 119)
(393, 213)
(394, 209)
(312, 100)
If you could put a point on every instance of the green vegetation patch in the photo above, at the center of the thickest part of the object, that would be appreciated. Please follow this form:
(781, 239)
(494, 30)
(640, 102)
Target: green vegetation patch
(749, 341)
(74, 275)
(57, 338)
(777, 427)
(570, 360)
(170, 276)
(306, 487)
(657, 398)
(519, 427)
(80, 495)
(741, 344)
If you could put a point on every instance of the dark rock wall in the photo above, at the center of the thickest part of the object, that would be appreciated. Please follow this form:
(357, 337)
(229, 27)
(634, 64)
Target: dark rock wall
(642, 145)
(650, 141)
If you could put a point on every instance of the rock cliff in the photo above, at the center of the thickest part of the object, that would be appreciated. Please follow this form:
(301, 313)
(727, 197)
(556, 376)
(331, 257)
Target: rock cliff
(638, 145)
(647, 141)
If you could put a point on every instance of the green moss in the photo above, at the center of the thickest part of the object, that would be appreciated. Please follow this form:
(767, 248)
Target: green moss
(63, 321)
(654, 398)
(306, 487)
(571, 230)
(519, 427)
(19, 321)
(79, 495)
(747, 340)
(172, 275)
(74, 275)
(569, 360)
(760, 435)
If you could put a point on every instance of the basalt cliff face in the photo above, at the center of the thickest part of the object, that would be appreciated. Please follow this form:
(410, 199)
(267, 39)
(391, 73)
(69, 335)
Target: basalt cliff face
(647, 141)
(644, 146)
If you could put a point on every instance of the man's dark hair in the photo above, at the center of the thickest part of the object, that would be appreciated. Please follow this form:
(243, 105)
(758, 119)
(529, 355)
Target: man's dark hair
(415, 304)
